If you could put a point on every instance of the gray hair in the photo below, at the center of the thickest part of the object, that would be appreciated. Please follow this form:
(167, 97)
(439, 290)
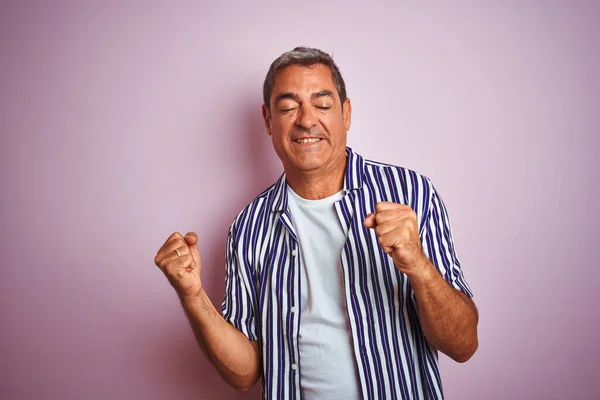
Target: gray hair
(304, 56)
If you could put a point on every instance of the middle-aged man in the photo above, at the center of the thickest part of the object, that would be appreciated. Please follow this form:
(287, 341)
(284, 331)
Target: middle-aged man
(342, 280)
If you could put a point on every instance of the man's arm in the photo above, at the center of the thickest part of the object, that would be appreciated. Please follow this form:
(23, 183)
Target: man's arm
(448, 317)
(236, 358)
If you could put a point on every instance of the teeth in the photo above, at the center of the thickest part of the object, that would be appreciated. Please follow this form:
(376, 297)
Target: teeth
(309, 140)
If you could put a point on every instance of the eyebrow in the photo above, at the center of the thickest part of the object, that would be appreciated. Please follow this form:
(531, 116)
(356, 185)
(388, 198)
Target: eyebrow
(295, 97)
(322, 93)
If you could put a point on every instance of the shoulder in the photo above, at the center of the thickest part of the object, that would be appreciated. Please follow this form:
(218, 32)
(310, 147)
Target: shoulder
(255, 211)
(410, 185)
(372, 165)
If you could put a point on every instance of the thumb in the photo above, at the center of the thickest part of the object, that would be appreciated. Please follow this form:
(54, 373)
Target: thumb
(369, 221)
(191, 239)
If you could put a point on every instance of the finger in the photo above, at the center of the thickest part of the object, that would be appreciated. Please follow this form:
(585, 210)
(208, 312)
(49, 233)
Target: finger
(369, 221)
(172, 237)
(404, 216)
(388, 205)
(389, 215)
(389, 226)
(168, 250)
(388, 250)
(179, 252)
(391, 239)
(402, 229)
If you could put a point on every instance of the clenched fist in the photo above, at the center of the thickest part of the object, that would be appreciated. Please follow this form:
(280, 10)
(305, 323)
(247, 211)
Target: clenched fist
(180, 261)
(397, 231)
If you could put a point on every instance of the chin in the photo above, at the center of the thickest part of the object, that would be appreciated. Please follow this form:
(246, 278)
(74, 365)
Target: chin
(308, 163)
(305, 167)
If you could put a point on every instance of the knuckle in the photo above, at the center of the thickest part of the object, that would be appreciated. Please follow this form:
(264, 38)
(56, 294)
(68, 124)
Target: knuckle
(406, 211)
(164, 265)
(188, 262)
(415, 225)
(166, 269)
(174, 236)
(178, 243)
(411, 223)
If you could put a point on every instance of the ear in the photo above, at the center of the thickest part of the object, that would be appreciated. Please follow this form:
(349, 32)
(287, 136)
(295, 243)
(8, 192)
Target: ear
(347, 114)
(267, 117)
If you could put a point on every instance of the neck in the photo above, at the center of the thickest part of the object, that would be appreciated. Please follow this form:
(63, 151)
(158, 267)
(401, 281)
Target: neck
(316, 185)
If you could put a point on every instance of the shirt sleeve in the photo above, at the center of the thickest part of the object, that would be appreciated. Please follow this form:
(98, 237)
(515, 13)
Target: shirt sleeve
(438, 244)
(240, 298)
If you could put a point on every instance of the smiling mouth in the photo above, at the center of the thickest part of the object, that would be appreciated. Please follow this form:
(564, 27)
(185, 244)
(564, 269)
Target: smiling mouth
(307, 140)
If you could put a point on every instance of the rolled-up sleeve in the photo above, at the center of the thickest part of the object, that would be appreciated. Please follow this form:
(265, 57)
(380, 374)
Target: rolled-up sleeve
(240, 298)
(438, 244)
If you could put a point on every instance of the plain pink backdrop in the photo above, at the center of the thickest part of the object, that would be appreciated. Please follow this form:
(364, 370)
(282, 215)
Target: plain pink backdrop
(124, 121)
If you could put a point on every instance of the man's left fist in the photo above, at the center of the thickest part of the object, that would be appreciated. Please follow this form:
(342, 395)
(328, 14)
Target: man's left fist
(397, 231)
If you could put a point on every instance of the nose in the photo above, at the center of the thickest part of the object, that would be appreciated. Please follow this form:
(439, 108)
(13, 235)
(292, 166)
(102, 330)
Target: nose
(306, 117)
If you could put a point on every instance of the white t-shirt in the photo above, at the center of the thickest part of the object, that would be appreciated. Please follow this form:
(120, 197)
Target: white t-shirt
(327, 364)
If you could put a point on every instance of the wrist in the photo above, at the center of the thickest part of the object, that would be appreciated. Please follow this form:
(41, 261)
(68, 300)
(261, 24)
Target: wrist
(423, 273)
(193, 299)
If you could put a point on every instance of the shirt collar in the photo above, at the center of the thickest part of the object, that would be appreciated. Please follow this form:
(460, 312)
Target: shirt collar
(353, 179)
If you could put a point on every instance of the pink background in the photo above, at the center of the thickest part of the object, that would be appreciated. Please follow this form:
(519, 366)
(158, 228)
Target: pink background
(124, 121)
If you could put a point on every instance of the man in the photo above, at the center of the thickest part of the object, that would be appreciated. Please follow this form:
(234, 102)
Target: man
(342, 280)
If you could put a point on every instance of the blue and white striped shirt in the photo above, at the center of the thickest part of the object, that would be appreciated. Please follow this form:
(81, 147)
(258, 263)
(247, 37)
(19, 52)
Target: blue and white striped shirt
(262, 294)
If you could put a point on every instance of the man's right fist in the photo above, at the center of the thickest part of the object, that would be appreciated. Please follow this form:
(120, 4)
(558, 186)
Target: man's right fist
(180, 261)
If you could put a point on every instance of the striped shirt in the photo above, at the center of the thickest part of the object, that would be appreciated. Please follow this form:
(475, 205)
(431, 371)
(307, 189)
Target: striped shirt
(262, 294)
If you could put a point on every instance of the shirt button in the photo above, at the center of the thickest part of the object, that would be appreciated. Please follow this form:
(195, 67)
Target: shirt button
(293, 309)
(294, 252)
(294, 367)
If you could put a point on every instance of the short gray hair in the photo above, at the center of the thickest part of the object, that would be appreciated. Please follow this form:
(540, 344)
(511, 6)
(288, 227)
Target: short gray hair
(304, 56)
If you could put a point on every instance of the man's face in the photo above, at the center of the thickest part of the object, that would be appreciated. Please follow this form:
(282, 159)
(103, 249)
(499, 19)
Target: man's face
(306, 121)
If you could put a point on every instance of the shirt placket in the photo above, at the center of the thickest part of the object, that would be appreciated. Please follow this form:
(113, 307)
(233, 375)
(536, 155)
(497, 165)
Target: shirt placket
(345, 212)
(293, 297)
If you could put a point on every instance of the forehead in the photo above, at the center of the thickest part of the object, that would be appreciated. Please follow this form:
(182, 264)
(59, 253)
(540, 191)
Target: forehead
(303, 80)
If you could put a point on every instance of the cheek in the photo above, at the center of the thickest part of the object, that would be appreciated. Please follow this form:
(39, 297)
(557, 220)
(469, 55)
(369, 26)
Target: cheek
(279, 127)
(285, 131)
(278, 134)
(335, 127)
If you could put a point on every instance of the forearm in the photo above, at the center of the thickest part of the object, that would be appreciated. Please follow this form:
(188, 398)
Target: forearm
(448, 317)
(235, 357)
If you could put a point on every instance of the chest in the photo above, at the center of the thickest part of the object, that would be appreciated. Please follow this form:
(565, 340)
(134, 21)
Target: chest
(369, 276)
